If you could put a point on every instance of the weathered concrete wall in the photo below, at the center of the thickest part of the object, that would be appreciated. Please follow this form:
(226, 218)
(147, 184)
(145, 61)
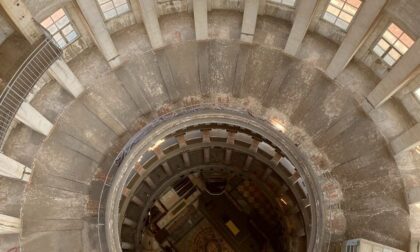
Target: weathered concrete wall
(306, 98)
(322, 117)
(13, 52)
(405, 13)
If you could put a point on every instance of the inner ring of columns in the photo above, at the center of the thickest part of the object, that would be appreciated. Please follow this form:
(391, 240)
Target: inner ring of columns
(269, 160)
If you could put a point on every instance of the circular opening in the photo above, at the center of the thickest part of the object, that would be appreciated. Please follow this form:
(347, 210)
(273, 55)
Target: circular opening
(222, 171)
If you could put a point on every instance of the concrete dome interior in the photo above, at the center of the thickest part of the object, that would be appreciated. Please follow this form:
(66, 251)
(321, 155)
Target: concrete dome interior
(209, 125)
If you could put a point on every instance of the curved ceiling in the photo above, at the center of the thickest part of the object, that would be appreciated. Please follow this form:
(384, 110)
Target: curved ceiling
(364, 148)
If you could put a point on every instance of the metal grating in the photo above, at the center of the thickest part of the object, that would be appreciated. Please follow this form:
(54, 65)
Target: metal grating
(22, 82)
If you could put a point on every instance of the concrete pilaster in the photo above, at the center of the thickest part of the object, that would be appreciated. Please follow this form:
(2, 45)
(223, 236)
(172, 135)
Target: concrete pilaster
(357, 33)
(9, 225)
(284, 67)
(22, 18)
(95, 104)
(151, 22)
(399, 75)
(133, 84)
(100, 33)
(304, 13)
(241, 65)
(249, 20)
(13, 169)
(200, 19)
(29, 116)
(202, 34)
(203, 66)
(65, 77)
(167, 76)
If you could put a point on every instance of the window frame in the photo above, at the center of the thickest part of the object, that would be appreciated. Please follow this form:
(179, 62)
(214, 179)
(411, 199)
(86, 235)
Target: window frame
(130, 9)
(376, 42)
(341, 10)
(66, 13)
(274, 2)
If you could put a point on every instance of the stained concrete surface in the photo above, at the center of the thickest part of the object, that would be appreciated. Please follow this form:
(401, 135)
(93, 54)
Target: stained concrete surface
(71, 163)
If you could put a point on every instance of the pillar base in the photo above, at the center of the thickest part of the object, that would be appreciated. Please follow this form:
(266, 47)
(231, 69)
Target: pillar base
(115, 62)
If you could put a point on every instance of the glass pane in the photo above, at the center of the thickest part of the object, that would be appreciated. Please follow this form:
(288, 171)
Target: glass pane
(57, 37)
(329, 17)
(119, 2)
(66, 30)
(122, 9)
(53, 29)
(338, 3)
(400, 47)
(108, 6)
(407, 40)
(346, 17)
(71, 37)
(389, 37)
(58, 14)
(394, 54)
(395, 30)
(110, 14)
(342, 24)
(355, 3)
(331, 9)
(61, 43)
(378, 50)
(383, 44)
(350, 9)
(390, 61)
(62, 22)
(47, 22)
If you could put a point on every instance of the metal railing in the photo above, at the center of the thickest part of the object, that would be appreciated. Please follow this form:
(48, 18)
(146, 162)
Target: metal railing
(22, 82)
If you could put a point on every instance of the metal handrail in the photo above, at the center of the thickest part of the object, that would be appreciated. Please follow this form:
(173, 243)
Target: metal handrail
(22, 82)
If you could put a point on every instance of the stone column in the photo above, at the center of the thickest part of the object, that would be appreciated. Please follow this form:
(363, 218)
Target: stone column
(29, 116)
(61, 72)
(9, 225)
(303, 17)
(100, 33)
(13, 169)
(151, 22)
(356, 35)
(22, 18)
(399, 75)
(200, 19)
(249, 20)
